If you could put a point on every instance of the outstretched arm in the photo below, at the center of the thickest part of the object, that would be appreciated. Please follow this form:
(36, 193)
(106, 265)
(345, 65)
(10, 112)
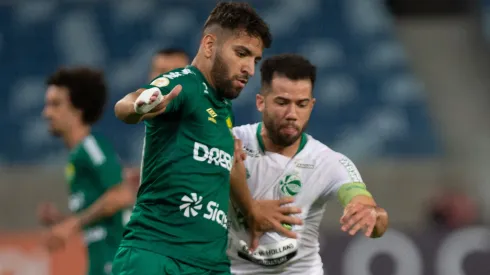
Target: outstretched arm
(361, 211)
(115, 199)
(144, 104)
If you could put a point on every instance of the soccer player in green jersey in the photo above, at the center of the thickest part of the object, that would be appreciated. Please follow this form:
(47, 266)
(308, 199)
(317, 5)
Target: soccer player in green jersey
(179, 223)
(74, 101)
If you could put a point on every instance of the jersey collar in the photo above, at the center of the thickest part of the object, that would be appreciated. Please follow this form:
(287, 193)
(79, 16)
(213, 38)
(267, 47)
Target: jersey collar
(211, 92)
(302, 143)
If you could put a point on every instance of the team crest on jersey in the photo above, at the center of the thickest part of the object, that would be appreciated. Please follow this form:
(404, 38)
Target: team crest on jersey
(290, 185)
(229, 123)
(160, 82)
(69, 172)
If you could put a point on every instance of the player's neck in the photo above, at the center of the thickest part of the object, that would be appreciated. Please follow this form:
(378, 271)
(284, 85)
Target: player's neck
(204, 68)
(288, 151)
(76, 135)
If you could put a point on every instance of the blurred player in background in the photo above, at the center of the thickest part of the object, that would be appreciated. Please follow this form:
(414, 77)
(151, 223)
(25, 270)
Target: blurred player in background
(284, 161)
(75, 100)
(166, 60)
(179, 224)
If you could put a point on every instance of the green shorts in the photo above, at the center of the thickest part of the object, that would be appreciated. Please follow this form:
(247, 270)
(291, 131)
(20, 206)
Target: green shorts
(135, 261)
(100, 256)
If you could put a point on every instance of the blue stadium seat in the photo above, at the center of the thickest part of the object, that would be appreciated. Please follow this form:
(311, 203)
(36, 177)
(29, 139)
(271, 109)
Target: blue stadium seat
(369, 104)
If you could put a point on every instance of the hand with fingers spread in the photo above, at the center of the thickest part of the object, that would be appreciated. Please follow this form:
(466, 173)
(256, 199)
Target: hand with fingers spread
(151, 102)
(358, 216)
(272, 215)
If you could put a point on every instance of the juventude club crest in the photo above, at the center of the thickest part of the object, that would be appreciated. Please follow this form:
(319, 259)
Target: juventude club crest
(290, 185)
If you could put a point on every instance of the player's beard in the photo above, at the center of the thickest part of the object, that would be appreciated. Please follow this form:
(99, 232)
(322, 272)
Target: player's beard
(274, 131)
(224, 83)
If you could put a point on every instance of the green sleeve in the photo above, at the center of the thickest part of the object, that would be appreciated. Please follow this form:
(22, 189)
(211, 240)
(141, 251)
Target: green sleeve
(168, 81)
(110, 172)
(103, 162)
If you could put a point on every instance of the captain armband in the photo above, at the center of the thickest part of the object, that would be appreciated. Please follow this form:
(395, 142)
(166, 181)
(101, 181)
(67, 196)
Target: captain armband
(350, 190)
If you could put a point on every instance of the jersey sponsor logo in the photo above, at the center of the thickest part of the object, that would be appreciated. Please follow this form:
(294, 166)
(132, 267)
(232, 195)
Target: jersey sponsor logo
(193, 204)
(69, 172)
(212, 115)
(290, 185)
(160, 82)
(351, 170)
(76, 201)
(177, 74)
(304, 165)
(251, 153)
(203, 153)
(229, 123)
(216, 215)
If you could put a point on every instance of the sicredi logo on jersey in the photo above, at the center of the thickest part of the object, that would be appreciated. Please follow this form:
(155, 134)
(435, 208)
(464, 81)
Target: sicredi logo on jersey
(192, 205)
(203, 153)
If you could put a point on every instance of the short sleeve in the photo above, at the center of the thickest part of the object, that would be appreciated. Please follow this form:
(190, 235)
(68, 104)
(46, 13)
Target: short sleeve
(104, 163)
(165, 87)
(341, 170)
(110, 173)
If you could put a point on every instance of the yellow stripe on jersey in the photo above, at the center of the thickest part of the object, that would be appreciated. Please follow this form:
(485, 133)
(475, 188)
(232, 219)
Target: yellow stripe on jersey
(350, 190)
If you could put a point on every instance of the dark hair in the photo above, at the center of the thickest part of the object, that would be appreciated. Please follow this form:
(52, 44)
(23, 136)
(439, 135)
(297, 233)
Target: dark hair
(86, 88)
(172, 51)
(234, 16)
(292, 66)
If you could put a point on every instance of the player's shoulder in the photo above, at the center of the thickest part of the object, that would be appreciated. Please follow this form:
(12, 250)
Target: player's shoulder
(325, 155)
(96, 150)
(246, 133)
(182, 76)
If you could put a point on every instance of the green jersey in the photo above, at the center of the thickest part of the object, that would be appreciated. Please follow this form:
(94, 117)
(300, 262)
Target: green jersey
(92, 169)
(182, 204)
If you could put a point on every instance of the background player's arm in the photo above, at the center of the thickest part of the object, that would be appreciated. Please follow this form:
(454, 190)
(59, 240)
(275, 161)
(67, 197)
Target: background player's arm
(118, 196)
(48, 214)
(115, 199)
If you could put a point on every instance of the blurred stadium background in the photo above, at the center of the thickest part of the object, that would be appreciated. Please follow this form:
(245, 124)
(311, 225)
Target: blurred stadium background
(403, 89)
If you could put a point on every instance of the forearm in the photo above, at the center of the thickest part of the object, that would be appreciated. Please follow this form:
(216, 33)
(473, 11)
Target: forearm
(381, 223)
(124, 109)
(54, 220)
(240, 193)
(115, 199)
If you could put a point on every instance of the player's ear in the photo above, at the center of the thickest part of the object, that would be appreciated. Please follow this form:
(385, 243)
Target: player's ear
(313, 100)
(260, 102)
(209, 44)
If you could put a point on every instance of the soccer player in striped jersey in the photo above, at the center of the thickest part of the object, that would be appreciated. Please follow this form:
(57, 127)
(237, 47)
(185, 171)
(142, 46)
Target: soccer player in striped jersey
(74, 101)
